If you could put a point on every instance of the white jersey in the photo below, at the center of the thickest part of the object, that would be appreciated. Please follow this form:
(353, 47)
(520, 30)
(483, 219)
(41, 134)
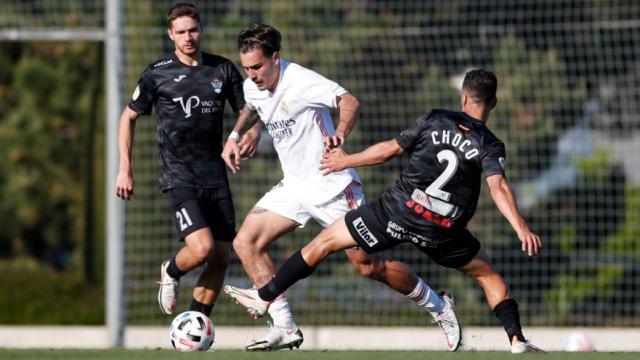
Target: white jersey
(297, 116)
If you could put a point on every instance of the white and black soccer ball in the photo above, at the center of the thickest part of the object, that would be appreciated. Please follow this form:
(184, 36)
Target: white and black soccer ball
(191, 331)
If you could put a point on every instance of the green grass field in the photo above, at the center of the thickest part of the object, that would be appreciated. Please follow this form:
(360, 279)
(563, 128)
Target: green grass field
(303, 355)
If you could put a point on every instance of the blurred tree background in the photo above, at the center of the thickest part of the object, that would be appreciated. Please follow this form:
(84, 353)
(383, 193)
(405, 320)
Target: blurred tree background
(51, 143)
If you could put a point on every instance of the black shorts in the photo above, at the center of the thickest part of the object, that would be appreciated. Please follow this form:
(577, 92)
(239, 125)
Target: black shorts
(375, 231)
(194, 209)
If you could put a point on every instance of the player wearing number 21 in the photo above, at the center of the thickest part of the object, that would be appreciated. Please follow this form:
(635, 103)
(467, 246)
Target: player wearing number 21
(188, 89)
(430, 204)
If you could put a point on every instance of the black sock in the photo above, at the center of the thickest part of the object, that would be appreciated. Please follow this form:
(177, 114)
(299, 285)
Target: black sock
(294, 269)
(203, 308)
(507, 312)
(173, 270)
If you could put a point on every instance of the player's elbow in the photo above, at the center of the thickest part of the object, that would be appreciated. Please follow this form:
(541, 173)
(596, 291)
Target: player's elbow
(355, 103)
(390, 149)
(128, 114)
(348, 102)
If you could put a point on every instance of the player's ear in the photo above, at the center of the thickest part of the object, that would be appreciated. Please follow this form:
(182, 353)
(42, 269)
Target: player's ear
(276, 57)
(170, 33)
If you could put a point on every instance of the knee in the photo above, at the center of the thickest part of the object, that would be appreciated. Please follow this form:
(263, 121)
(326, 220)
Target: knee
(321, 246)
(201, 251)
(246, 245)
(492, 282)
(366, 270)
(220, 258)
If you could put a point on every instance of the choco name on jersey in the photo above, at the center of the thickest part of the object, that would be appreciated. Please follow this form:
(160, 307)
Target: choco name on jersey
(439, 189)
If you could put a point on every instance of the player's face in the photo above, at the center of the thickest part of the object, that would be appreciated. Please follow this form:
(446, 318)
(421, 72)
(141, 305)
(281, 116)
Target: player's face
(185, 33)
(263, 70)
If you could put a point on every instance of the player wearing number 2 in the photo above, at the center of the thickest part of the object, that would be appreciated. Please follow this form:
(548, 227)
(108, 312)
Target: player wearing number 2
(429, 205)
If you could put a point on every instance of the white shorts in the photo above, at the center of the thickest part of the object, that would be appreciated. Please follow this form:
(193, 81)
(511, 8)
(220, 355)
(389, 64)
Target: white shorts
(280, 201)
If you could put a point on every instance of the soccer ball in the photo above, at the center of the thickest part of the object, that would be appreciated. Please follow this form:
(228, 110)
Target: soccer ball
(191, 331)
(578, 342)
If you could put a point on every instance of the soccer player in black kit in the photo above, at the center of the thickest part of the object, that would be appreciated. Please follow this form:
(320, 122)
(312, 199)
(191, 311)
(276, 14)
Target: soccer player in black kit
(430, 204)
(188, 89)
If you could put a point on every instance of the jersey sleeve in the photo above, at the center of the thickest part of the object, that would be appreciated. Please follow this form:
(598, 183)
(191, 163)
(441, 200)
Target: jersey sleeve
(248, 93)
(494, 159)
(320, 91)
(144, 94)
(235, 95)
(409, 137)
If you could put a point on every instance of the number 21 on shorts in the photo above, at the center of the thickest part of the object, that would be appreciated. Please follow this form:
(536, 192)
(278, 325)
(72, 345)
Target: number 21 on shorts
(183, 219)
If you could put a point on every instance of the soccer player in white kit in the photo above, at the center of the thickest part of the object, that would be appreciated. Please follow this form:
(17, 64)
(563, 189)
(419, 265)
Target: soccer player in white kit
(294, 105)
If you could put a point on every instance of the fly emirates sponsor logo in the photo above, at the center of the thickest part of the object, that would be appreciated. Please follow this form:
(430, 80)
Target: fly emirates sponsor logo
(456, 140)
(280, 130)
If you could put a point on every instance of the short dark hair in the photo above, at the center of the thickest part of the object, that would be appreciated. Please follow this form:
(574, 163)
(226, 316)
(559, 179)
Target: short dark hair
(481, 85)
(182, 9)
(262, 36)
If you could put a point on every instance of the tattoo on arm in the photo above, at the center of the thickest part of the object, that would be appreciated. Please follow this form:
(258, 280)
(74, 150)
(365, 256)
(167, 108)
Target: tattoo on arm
(251, 120)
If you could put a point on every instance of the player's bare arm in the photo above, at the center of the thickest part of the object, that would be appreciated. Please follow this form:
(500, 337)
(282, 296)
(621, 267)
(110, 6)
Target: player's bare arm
(126, 130)
(233, 151)
(505, 201)
(338, 160)
(249, 139)
(348, 106)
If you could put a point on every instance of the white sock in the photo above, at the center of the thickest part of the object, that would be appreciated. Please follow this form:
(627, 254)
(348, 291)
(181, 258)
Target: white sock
(281, 313)
(424, 296)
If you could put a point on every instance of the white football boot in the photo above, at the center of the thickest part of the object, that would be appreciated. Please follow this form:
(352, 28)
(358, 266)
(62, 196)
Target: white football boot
(521, 347)
(448, 322)
(248, 298)
(278, 338)
(168, 292)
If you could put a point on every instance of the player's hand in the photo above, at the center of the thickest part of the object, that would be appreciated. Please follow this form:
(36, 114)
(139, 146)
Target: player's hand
(249, 144)
(231, 155)
(332, 142)
(124, 185)
(531, 242)
(333, 161)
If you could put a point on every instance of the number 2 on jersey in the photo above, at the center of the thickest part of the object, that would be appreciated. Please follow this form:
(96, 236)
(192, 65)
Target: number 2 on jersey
(435, 189)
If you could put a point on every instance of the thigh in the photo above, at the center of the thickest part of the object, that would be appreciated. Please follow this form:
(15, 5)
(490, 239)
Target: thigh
(332, 239)
(367, 225)
(279, 200)
(187, 213)
(218, 210)
(478, 265)
(326, 214)
(262, 226)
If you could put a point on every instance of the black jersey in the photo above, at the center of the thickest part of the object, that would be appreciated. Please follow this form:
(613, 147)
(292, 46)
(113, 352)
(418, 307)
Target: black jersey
(189, 102)
(440, 186)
